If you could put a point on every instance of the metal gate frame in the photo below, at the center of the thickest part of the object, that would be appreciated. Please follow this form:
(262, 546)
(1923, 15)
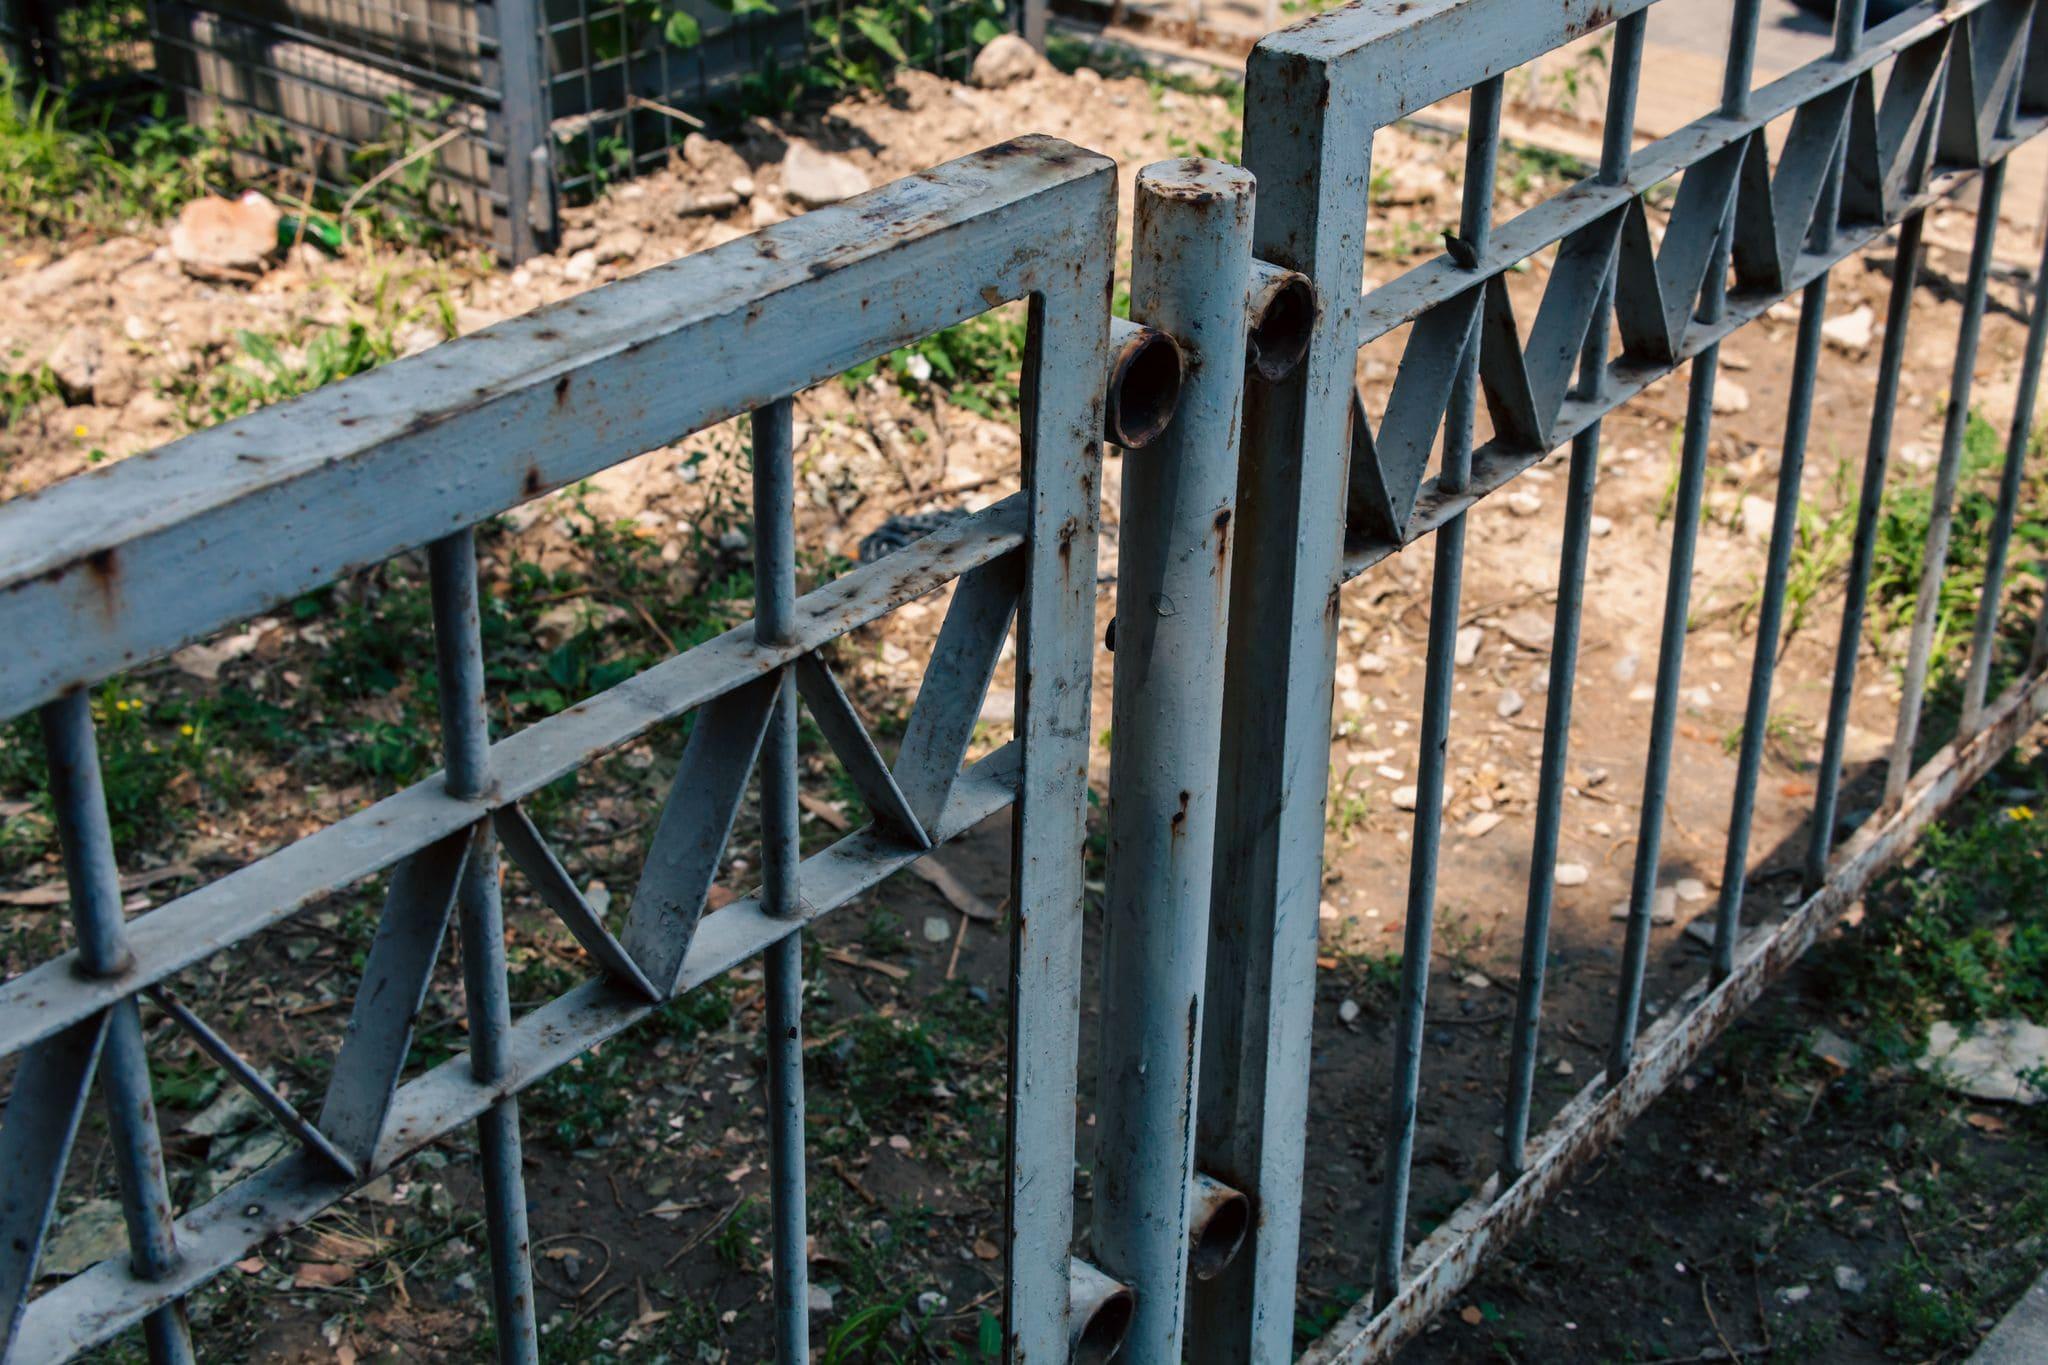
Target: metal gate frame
(106, 571)
(1325, 493)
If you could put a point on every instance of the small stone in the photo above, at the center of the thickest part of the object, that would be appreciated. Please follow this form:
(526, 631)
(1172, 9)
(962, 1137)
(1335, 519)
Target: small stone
(1564, 1066)
(1832, 1048)
(1794, 1293)
(930, 1302)
(1371, 663)
(1756, 517)
(1730, 398)
(1348, 1012)
(763, 212)
(1469, 640)
(225, 239)
(821, 1297)
(599, 897)
(1525, 504)
(742, 186)
(1664, 906)
(814, 178)
(1328, 913)
(1848, 1278)
(1624, 668)
(697, 205)
(1532, 630)
(1601, 526)
(75, 362)
(936, 930)
(1482, 824)
(581, 267)
(1478, 981)
(621, 244)
(1510, 703)
(1690, 890)
(1007, 60)
(1851, 333)
(1404, 798)
(1571, 874)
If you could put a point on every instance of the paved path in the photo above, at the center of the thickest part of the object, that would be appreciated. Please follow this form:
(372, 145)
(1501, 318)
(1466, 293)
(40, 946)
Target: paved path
(2022, 1339)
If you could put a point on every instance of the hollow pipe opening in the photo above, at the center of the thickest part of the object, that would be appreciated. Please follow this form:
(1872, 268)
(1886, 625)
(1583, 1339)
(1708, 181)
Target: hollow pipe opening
(1099, 1311)
(1145, 375)
(1218, 1221)
(1283, 316)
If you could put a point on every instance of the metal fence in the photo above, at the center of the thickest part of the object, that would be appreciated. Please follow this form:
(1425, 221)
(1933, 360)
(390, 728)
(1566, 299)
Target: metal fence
(100, 574)
(1231, 571)
(474, 119)
(1895, 118)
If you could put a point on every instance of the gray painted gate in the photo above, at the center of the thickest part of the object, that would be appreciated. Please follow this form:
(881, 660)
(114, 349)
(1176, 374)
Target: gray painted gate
(1230, 588)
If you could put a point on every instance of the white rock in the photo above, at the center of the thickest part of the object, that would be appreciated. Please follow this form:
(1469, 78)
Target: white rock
(1404, 798)
(1848, 1278)
(1601, 526)
(1532, 630)
(936, 930)
(580, 268)
(1469, 640)
(1564, 1067)
(1510, 703)
(1347, 1012)
(1482, 824)
(763, 212)
(1851, 333)
(1624, 668)
(1478, 981)
(742, 186)
(1572, 874)
(1370, 662)
(1690, 889)
(1005, 61)
(1755, 517)
(1794, 1293)
(2001, 1059)
(814, 178)
(1524, 503)
(1730, 398)
(1664, 906)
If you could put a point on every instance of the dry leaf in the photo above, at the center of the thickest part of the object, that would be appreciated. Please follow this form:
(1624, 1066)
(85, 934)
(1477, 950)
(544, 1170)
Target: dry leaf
(986, 1250)
(321, 1275)
(1471, 1316)
(1985, 1123)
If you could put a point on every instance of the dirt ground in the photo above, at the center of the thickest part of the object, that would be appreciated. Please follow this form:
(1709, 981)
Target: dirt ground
(646, 1163)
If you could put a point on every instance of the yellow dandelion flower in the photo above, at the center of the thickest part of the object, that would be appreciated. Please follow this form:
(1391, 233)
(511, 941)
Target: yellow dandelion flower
(186, 731)
(79, 431)
(2021, 814)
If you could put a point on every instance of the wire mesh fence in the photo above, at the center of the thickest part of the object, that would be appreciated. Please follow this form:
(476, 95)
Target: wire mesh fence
(469, 120)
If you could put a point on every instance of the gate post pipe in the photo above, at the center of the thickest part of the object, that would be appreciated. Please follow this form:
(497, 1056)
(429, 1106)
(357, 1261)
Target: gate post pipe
(1191, 279)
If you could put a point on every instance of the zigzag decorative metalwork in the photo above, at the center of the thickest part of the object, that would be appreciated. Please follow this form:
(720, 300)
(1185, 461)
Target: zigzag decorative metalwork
(1951, 102)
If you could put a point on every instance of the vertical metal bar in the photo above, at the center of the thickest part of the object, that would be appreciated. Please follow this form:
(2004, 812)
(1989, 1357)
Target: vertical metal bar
(1311, 151)
(1032, 26)
(1564, 650)
(1190, 278)
(1476, 226)
(1756, 719)
(774, 624)
(1956, 421)
(1984, 636)
(80, 803)
(466, 748)
(519, 124)
(1066, 356)
(1685, 528)
(1869, 507)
